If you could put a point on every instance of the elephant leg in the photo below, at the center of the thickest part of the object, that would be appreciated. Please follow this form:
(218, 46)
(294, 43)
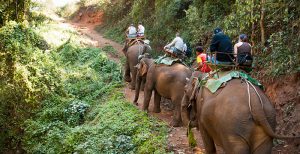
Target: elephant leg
(127, 72)
(133, 76)
(147, 95)
(209, 144)
(137, 89)
(265, 147)
(177, 121)
(157, 98)
(143, 84)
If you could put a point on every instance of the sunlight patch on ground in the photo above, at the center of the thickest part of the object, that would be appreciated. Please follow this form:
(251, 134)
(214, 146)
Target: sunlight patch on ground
(60, 3)
(56, 3)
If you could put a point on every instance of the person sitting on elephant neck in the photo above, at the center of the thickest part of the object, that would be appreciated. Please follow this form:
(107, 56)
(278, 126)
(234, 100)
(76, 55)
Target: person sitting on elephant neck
(175, 47)
(201, 60)
(243, 51)
(221, 44)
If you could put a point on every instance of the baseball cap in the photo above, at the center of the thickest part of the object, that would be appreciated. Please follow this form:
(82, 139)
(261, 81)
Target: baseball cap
(217, 30)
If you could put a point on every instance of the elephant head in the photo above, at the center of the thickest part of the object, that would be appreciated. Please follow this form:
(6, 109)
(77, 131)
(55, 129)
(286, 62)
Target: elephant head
(142, 68)
(189, 105)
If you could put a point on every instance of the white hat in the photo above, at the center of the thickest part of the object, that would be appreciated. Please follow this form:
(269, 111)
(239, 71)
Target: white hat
(147, 42)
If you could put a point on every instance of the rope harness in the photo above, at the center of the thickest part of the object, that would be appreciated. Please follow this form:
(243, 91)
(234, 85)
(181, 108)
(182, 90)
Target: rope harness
(249, 95)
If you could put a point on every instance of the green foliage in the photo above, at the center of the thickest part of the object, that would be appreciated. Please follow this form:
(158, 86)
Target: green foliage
(118, 127)
(74, 114)
(191, 138)
(27, 76)
(84, 112)
(282, 60)
(117, 34)
(196, 19)
(66, 99)
(13, 10)
(110, 50)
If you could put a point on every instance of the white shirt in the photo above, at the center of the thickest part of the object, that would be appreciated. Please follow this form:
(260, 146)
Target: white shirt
(177, 42)
(141, 29)
(131, 30)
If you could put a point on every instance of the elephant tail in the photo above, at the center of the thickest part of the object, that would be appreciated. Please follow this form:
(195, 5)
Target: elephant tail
(262, 120)
(259, 116)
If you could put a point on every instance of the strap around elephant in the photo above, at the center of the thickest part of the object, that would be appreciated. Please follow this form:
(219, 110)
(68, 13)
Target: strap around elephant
(135, 41)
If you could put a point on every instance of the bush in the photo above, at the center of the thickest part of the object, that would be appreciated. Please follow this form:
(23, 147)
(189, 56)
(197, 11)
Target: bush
(91, 116)
(27, 76)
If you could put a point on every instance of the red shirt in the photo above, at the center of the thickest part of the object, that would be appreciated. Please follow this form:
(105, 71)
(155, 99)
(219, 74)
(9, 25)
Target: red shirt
(201, 58)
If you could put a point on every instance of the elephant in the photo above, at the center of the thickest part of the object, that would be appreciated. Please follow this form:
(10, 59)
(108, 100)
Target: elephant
(228, 118)
(132, 54)
(166, 81)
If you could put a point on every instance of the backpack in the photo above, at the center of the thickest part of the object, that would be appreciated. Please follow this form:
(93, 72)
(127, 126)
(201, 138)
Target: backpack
(188, 49)
(244, 59)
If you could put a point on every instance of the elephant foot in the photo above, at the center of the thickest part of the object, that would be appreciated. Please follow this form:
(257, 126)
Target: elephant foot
(136, 103)
(131, 87)
(175, 123)
(146, 110)
(156, 110)
(127, 78)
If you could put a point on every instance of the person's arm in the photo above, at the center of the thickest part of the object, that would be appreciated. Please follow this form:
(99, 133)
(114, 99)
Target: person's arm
(199, 62)
(235, 49)
(171, 44)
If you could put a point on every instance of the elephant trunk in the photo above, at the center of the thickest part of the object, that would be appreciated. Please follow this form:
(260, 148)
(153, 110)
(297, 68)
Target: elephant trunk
(185, 115)
(188, 112)
(137, 88)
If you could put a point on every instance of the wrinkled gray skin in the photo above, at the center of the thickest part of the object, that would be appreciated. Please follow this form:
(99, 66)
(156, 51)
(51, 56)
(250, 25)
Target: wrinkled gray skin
(132, 54)
(224, 118)
(166, 81)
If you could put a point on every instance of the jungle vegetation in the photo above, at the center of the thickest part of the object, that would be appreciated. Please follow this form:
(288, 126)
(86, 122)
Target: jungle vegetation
(273, 26)
(60, 95)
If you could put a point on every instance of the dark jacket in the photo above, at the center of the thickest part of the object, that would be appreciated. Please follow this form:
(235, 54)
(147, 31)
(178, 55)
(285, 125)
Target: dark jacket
(222, 43)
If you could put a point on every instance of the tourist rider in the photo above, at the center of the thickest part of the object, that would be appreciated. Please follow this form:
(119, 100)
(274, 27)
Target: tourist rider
(243, 51)
(130, 34)
(176, 46)
(131, 31)
(201, 60)
(221, 45)
(141, 30)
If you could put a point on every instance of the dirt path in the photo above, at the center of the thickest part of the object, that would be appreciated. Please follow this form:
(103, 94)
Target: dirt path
(177, 139)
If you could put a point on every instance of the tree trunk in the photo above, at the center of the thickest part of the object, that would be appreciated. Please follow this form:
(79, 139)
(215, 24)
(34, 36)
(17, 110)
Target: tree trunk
(262, 16)
(253, 27)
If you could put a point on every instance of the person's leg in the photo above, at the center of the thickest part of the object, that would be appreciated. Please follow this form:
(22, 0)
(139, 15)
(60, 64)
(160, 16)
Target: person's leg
(224, 63)
(169, 51)
(211, 59)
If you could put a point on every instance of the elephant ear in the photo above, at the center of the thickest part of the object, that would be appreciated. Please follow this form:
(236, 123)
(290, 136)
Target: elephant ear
(195, 83)
(143, 69)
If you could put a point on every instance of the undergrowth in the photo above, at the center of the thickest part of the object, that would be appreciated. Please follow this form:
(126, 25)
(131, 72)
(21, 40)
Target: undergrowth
(65, 97)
